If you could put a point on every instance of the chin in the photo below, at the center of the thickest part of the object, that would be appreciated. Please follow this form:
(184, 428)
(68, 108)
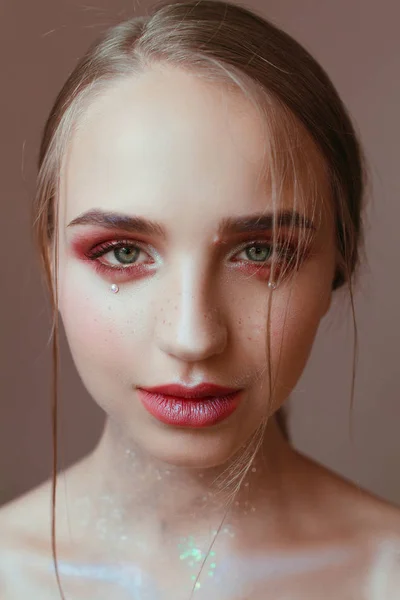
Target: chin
(198, 449)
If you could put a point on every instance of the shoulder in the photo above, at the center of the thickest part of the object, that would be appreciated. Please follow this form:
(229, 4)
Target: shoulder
(25, 526)
(384, 580)
(26, 516)
(26, 521)
(362, 512)
(368, 523)
(26, 556)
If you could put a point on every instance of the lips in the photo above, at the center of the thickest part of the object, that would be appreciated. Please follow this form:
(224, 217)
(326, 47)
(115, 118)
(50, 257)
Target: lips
(201, 406)
(203, 390)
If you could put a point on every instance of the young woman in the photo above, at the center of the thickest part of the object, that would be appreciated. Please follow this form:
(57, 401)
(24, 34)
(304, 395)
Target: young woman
(199, 201)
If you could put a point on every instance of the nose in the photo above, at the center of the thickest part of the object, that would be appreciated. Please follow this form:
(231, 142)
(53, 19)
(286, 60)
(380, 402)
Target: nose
(189, 324)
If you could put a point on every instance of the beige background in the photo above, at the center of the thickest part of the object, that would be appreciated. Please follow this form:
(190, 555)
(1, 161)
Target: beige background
(359, 45)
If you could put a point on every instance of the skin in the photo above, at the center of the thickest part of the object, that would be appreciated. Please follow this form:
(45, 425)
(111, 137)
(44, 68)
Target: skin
(188, 154)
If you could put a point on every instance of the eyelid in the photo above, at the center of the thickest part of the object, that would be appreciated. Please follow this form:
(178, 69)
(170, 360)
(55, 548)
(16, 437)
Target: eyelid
(106, 247)
(261, 242)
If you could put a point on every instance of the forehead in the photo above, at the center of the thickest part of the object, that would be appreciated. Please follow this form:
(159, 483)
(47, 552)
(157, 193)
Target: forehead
(166, 141)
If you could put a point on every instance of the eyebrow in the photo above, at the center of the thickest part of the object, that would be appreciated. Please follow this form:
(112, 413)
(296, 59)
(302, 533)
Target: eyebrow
(228, 225)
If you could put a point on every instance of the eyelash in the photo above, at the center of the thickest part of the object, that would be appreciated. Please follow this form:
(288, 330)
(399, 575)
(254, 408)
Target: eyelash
(286, 254)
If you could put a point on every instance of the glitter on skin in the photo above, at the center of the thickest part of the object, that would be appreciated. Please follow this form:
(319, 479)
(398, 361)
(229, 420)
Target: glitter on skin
(190, 551)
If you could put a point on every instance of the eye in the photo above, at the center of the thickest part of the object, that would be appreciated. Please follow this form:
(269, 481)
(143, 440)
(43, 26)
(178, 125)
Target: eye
(262, 252)
(258, 252)
(120, 254)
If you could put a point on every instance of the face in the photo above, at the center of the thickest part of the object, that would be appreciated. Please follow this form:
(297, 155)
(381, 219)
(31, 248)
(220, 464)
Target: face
(185, 155)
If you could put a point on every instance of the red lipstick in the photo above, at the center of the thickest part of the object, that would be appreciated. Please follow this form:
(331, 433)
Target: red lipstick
(201, 406)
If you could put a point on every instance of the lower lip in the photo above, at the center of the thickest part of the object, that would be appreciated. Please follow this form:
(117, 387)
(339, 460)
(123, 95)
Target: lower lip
(189, 412)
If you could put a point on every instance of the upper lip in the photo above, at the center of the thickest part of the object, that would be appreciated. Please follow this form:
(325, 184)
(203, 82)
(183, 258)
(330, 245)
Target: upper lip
(199, 391)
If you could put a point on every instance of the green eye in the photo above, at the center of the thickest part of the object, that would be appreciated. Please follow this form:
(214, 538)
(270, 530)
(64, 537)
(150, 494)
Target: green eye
(259, 252)
(126, 254)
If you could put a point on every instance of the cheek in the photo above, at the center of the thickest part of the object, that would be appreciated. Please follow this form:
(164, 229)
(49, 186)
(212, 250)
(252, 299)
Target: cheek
(294, 326)
(87, 328)
(293, 322)
(98, 332)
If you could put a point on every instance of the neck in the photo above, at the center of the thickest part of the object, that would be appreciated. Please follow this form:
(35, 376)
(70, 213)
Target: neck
(115, 492)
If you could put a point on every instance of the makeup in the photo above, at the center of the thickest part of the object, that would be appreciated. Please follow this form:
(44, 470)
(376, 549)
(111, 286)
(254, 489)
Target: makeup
(196, 409)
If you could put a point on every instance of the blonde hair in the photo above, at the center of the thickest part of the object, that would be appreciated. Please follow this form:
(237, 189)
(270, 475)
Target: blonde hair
(228, 45)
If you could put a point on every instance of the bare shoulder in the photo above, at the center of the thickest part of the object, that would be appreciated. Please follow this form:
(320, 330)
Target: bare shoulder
(25, 526)
(347, 498)
(383, 535)
(25, 516)
(26, 521)
(385, 575)
(370, 523)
